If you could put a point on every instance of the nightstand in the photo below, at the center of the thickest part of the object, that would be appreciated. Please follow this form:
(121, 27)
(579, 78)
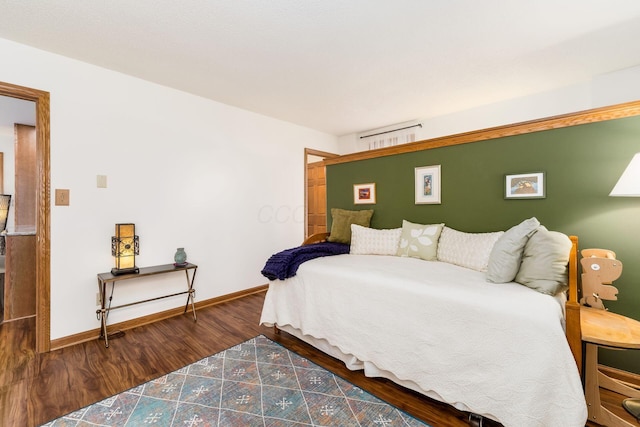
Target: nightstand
(601, 328)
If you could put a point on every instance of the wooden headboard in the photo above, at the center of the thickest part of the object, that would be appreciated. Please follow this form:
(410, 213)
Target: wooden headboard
(315, 238)
(572, 307)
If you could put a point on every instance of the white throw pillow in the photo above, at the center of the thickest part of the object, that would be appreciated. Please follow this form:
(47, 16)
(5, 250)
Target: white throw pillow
(506, 255)
(369, 241)
(470, 250)
(419, 240)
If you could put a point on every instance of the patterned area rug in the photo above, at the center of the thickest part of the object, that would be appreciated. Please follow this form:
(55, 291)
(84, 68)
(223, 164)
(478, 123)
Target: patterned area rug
(256, 383)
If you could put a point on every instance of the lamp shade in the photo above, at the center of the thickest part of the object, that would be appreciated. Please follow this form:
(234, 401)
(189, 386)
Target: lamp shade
(629, 183)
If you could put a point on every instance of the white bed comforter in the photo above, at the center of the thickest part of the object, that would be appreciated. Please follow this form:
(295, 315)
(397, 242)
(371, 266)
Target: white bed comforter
(498, 350)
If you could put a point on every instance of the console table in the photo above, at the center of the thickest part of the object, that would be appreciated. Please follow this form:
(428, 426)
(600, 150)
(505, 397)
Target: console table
(105, 278)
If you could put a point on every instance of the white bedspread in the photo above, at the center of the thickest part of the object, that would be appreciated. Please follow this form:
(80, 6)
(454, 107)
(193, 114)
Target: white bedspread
(498, 350)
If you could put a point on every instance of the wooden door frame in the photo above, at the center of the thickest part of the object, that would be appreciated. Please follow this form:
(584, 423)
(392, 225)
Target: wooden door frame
(43, 209)
(311, 152)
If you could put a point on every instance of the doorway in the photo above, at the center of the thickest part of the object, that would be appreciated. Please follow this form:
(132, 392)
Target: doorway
(315, 185)
(43, 209)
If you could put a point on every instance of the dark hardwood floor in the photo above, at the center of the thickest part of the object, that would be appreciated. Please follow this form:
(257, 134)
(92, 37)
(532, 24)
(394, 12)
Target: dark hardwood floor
(36, 388)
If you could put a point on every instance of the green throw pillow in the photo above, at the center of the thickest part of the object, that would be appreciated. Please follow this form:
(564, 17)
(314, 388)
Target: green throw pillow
(342, 220)
(419, 240)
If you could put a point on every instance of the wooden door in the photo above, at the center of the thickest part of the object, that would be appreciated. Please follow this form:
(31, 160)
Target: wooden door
(316, 198)
(26, 176)
(315, 191)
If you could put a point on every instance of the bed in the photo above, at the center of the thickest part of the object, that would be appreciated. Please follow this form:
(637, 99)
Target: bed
(499, 350)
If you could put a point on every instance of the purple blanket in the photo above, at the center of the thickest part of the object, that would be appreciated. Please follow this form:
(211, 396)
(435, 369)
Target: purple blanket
(285, 264)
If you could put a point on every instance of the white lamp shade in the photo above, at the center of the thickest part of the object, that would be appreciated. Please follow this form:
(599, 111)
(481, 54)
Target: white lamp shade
(629, 183)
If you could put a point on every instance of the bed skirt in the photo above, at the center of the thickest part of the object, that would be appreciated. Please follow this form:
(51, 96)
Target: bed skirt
(369, 368)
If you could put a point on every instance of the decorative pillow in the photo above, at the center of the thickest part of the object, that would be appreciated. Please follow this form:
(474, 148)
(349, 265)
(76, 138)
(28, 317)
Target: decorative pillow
(470, 250)
(342, 220)
(544, 262)
(506, 255)
(369, 241)
(419, 240)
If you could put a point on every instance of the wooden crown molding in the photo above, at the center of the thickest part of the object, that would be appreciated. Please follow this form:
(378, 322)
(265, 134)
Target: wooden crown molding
(618, 111)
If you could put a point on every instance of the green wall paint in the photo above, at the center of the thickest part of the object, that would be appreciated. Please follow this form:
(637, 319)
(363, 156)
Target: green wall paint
(581, 164)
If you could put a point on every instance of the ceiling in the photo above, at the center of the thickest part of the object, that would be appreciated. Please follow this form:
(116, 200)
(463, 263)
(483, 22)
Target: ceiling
(340, 66)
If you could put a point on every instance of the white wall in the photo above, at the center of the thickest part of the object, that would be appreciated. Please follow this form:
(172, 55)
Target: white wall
(605, 90)
(224, 183)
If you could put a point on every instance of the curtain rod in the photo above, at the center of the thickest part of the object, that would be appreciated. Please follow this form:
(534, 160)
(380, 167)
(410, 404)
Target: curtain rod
(389, 131)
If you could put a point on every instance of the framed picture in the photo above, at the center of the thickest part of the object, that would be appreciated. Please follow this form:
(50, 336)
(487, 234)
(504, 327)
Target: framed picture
(364, 194)
(428, 184)
(524, 186)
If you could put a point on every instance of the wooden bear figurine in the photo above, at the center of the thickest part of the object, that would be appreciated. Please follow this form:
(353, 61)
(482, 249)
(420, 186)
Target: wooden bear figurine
(599, 269)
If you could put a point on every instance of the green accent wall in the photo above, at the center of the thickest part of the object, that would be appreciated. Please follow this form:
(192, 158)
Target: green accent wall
(581, 164)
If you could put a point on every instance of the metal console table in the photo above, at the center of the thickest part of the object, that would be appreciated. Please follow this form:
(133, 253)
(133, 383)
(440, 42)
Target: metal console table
(105, 278)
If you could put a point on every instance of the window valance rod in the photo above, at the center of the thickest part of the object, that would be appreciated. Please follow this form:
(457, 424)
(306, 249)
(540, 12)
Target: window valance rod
(394, 130)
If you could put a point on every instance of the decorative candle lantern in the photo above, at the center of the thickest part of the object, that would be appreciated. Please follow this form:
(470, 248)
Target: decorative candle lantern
(124, 247)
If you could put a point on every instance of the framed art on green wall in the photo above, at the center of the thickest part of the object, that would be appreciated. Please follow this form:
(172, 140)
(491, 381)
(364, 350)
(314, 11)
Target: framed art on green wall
(427, 184)
(524, 186)
(364, 194)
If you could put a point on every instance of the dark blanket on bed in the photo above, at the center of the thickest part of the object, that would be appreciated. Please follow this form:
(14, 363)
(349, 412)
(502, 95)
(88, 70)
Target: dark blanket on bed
(285, 264)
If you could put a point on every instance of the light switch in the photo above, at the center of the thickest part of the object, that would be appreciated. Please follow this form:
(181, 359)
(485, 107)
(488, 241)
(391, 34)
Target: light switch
(62, 197)
(102, 181)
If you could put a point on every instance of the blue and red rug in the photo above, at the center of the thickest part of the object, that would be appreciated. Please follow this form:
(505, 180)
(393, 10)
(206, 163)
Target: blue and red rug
(256, 383)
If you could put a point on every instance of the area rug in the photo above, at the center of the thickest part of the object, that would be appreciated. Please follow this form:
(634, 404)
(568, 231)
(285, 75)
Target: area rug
(255, 383)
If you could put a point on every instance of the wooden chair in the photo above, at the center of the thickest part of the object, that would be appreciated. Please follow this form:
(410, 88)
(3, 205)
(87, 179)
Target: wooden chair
(601, 328)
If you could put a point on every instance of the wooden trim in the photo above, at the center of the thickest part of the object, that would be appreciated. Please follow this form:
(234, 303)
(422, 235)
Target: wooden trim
(325, 154)
(232, 296)
(43, 209)
(145, 320)
(618, 111)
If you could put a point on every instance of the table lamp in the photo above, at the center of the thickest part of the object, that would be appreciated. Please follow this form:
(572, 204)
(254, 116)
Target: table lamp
(124, 247)
(629, 183)
(629, 186)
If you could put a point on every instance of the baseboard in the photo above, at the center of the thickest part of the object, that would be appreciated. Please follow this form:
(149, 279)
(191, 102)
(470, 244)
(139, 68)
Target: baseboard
(144, 320)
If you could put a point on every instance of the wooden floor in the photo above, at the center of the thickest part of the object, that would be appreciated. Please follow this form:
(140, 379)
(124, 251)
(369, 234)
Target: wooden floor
(35, 388)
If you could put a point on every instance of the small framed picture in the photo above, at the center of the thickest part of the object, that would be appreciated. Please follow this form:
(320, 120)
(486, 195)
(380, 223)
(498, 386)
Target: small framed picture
(524, 186)
(427, 184)
(364, 194)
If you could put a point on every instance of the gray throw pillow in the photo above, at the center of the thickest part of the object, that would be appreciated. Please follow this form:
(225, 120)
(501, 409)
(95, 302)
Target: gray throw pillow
(506, 255)
(544, 262)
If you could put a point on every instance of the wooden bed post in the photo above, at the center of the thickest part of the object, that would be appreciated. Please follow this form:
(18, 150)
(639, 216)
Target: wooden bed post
(572, 307)
(315, 238)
